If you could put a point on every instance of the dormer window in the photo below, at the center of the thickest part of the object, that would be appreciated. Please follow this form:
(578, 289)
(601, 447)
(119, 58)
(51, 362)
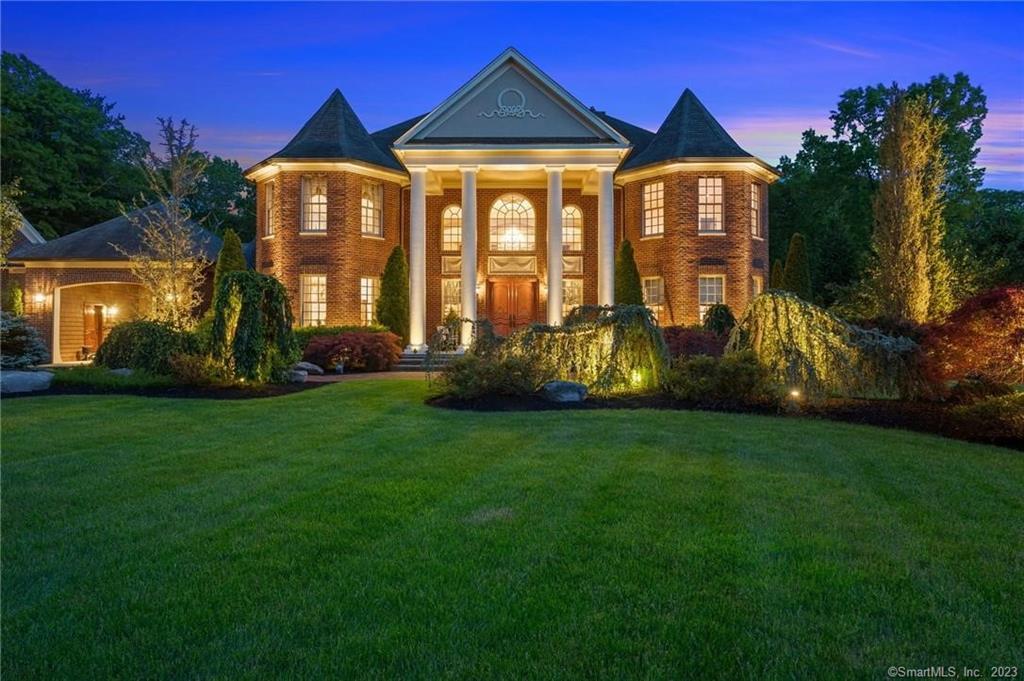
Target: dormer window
(314, 204)
(371, 222)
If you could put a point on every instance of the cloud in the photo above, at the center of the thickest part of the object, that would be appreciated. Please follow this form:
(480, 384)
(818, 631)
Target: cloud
(770, 135)
(841, 48)
(1002, 144)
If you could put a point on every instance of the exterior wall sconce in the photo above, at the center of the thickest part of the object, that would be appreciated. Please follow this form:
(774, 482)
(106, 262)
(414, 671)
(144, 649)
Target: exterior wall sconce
(39, 298)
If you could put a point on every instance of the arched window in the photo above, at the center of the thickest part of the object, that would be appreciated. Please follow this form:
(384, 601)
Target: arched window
(513, 224)
(572, 229)
(314, 204)
(451, 228)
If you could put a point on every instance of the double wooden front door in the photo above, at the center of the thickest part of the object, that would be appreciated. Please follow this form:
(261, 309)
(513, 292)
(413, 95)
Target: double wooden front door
(511, 303)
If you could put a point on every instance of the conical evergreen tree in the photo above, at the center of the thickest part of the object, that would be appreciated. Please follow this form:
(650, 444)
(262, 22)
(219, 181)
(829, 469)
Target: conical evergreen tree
(777, 276)
(628, 290)
(393, 303)
(797, 275)
(230, 259)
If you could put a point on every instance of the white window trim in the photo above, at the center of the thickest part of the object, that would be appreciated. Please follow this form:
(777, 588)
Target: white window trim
(444, 212)
(376, 210)
(269, 193)
(303, 207)
(711, 232)
(643, 210)
(303, 287)
(700, 316)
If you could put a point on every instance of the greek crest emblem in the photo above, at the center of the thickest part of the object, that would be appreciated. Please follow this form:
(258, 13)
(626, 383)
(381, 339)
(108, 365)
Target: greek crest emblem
(511, 104)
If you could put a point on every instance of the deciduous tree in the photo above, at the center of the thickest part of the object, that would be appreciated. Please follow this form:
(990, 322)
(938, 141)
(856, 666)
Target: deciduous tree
(910, 272)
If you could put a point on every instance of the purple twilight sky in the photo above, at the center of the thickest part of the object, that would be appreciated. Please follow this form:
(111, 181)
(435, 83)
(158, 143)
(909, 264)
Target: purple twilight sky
(249, 74)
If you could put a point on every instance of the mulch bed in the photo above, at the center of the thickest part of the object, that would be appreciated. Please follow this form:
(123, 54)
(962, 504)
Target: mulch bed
(925, 417)
(232, 393)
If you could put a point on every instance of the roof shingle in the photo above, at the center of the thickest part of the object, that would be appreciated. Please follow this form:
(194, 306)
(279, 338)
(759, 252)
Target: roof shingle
(336, 132)
(689, 131)
(102, 241)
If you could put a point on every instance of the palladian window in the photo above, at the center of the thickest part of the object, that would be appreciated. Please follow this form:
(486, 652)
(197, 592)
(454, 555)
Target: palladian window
(451, 229)
(572, 229)
(513, 224)
(314, 204)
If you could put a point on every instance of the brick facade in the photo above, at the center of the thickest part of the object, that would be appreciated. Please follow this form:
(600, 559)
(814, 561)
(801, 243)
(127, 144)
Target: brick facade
(342, 252)
(679, 256)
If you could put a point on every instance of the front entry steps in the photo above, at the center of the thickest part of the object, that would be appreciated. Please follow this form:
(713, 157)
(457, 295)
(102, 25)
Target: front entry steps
(417, 361)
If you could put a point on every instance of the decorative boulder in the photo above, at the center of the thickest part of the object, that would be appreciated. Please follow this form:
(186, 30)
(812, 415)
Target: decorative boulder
(309, 368)
(24, 381)
(297, 376)
(563, 391)
(121, 372)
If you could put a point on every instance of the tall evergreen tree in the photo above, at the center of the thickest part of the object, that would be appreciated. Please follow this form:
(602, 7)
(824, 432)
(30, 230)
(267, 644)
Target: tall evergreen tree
(628, 290)
(797, 275)
(911, 274)
(230, 259)
(393, 303)
(777, 280)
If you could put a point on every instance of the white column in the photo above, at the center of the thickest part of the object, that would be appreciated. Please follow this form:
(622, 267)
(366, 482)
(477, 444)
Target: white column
(605, 237)
(468, 253)
(417, 260)
(554, 244)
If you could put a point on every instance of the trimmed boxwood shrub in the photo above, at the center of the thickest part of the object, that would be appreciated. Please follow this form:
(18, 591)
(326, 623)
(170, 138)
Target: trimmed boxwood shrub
(356, 351)
(20, 344)
(686, 341)
(735, 380)
(146, 345)
(471, 377)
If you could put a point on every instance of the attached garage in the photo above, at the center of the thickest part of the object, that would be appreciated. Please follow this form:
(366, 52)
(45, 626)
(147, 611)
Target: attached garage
(87, 312)
(80, 286)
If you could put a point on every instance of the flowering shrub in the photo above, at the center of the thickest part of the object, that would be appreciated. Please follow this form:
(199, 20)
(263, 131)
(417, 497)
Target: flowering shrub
(686, 341)
(983, 338)
(20, 343)
(356, 351)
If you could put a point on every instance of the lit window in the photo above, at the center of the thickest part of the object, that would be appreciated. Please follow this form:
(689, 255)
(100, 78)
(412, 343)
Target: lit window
(451, 229)
(654, 295)
(268, 209)
(513, 224)
(370, 216)
(314, 204)
(711, 290)
(755, 210)
(709, 204)
(451, 297)
(314, 300)
(572, 229)
(757, 284)
(369, 290)
(572, 295)
(654, 209)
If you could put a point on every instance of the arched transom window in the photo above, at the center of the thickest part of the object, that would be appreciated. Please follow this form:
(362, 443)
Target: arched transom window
(451, 228)
(572, 229)
(513, 224)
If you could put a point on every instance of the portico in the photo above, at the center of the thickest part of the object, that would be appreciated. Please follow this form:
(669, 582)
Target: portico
(510, 128)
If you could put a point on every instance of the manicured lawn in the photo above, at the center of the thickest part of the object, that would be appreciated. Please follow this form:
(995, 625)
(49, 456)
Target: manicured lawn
(351, 532)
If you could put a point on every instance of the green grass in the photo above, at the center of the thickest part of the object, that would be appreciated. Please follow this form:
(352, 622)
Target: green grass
(351, 532)
(100, 379)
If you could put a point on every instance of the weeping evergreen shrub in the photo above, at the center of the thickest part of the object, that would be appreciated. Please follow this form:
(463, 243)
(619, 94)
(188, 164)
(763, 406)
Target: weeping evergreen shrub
(252, 326)
(610, 349)
(807, 348)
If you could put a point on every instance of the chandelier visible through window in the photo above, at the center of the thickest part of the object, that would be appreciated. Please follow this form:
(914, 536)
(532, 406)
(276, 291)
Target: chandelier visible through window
(513, 224)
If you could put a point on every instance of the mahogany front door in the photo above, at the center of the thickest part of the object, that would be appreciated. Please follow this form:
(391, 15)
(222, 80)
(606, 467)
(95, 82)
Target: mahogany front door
(511, 303)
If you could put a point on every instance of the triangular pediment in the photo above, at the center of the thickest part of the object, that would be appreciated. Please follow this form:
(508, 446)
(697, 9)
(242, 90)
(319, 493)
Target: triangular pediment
(511, 102)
